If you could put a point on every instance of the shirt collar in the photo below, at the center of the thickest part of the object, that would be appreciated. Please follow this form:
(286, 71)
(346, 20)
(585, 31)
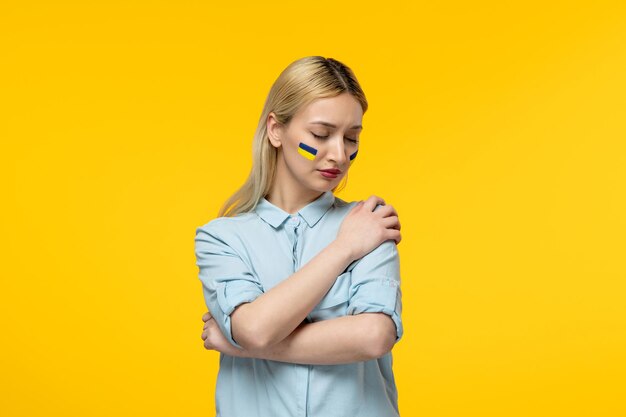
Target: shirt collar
(311, 213)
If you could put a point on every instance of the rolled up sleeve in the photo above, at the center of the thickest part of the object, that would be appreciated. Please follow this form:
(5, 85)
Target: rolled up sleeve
(226, 280)
(375, 284)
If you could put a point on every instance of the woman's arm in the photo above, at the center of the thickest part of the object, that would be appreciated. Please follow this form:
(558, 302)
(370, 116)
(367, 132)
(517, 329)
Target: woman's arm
(273, 315)
(340, 340)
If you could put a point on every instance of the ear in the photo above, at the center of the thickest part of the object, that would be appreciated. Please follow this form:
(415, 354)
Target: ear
(274, 130)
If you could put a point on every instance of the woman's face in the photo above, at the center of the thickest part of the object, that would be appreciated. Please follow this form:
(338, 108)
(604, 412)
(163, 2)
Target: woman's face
(322, 135)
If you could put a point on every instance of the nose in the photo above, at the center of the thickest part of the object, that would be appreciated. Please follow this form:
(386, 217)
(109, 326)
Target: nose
(337, 151)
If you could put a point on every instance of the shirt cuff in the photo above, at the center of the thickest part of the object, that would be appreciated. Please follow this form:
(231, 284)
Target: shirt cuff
(230, 295)
(379, 295)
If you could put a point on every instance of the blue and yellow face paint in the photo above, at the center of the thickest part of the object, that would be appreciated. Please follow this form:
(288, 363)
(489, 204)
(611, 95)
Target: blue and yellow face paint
(353, 156)
(307, 151)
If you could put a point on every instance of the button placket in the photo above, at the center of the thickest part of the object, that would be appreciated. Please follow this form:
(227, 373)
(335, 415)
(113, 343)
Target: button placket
(293, 230)
(294, 253)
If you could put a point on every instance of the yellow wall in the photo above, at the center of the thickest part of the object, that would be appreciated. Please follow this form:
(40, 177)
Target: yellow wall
(497, 129)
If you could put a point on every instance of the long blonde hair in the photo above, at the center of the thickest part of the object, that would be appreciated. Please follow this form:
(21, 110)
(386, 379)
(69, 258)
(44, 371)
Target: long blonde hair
(303, 81)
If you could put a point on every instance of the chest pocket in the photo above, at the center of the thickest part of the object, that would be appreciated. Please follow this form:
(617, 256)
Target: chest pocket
(335, 302)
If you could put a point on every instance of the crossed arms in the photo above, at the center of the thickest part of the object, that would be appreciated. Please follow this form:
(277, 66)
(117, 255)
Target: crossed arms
(245, 321)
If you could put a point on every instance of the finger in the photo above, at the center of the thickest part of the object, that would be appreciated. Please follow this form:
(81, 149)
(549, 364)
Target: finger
(207, 323)
(394, 234)
(391, 222)
(206, 316)
(389, 212)
(358, 206)
(207, 345)
(386, 210)
(204, 335)
(371, 203)
(378, 199)
(392, 209)
(378, 209)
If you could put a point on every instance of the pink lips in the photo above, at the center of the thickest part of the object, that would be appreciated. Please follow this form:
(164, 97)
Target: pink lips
(331, 171)
(328, 173)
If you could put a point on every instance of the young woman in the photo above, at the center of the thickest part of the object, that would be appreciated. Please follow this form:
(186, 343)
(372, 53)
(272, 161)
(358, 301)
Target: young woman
(303, 288)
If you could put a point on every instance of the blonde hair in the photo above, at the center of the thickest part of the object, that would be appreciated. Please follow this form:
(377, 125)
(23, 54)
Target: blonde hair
(303, 81)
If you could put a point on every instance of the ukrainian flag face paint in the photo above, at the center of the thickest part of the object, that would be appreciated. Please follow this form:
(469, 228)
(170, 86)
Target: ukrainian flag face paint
(353, 156)
(307, 151)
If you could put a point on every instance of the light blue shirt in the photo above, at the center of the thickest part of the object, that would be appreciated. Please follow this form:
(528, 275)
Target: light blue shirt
(241, 257)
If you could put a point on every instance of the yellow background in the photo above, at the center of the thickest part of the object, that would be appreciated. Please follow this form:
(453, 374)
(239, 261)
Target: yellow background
(497, 130)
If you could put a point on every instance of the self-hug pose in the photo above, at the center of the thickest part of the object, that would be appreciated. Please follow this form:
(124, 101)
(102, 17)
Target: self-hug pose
(302, 287)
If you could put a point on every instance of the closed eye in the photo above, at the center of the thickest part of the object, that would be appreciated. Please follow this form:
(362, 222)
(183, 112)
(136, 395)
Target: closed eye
(319, 137)
(326, 137)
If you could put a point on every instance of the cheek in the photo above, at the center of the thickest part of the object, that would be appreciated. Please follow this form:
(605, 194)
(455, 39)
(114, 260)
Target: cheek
(307, 151)
(353, 156)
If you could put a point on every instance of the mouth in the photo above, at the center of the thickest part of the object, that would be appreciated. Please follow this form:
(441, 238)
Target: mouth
(333, 171)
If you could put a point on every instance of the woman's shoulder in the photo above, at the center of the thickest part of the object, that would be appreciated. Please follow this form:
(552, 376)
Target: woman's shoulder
(340, 203)
(345, 206)
(225, 225)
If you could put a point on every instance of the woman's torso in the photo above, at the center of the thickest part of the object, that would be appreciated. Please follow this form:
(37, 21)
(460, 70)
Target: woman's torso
(274, 244)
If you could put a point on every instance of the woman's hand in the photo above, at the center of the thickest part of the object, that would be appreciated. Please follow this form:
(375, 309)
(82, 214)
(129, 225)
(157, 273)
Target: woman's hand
(366, 226)
(215, 340)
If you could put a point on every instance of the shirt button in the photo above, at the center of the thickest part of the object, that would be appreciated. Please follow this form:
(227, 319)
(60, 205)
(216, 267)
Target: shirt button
(294, 220)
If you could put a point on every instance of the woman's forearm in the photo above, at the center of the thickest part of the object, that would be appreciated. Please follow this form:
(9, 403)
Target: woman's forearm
(275, 314)
(329, 342)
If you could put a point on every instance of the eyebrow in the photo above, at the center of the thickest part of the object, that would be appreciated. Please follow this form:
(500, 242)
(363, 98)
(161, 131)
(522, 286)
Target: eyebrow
(333, 126)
